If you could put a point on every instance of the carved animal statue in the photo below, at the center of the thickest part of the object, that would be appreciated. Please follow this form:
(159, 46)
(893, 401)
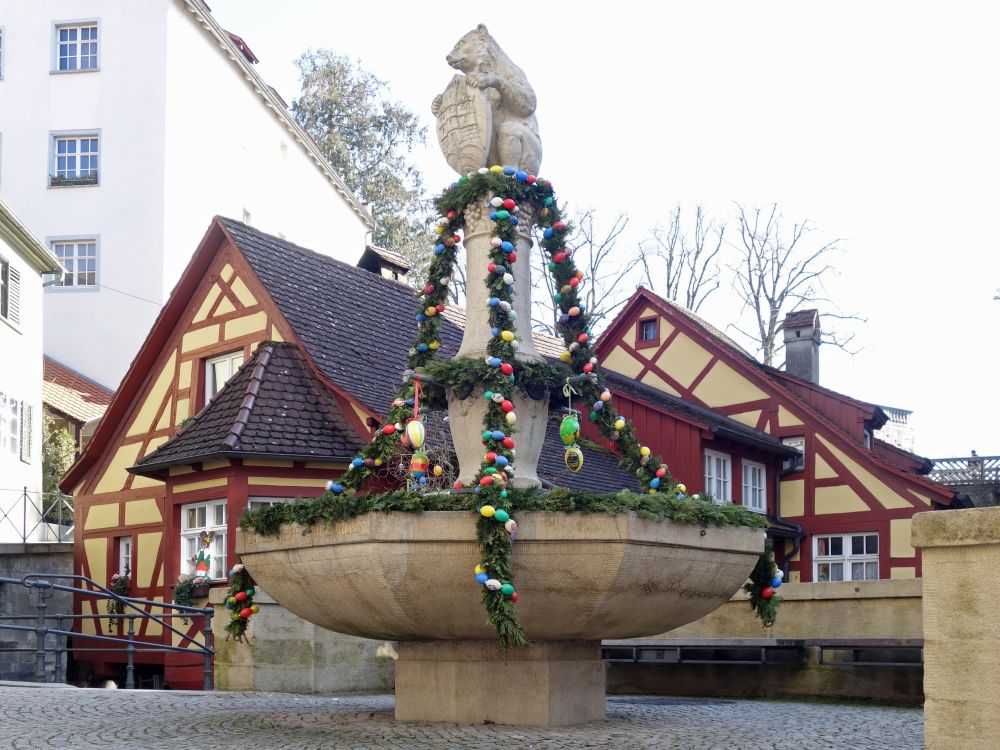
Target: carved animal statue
(513, 133)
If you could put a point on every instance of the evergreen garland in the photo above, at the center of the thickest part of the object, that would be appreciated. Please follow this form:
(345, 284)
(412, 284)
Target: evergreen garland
(764, 579)
(509, 194)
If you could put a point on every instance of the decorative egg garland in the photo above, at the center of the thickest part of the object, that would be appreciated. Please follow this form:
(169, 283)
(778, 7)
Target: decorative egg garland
(239, 602)
(505, 190)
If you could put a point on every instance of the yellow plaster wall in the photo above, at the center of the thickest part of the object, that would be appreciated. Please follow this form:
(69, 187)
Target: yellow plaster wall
(748, 418)
(899, 538)
(317, 465)
(654, 380)
(723, 386)
(154, 628)
(115, 475)
(206, 304)
(217, 482)
(142, 512)
(103, 516)
(683, 360)
(227, 272)
(183, 409)
(246, 325)
(143, 421)
(184, 374)
(209, 465)
(793, 497)
(164, 421)
(823, 469)
(275, 336)
(840, 499)
(922, 498)
(89, 625)
(266, 462)
(360, 414)
(147, 552)
(200, 337)
(225, 306)
(243, 294)
(787, 418)
(882, 492)
(96, 551)
(621, 361)
(287, 481)
(178, 470)
(903, 571)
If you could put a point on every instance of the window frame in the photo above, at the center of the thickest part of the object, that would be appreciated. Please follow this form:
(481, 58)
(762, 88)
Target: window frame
(754, 465)
(125, 553)
(56, 182)
(643, 343)
(207, 368)
(76, 239)
(847, 557)
(219, 531)
(259, 501)
(10, 294)
(78, 24)
(10, 425)
(728, 483)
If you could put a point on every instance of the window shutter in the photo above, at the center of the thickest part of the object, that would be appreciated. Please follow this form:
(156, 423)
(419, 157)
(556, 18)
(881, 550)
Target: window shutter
(26, 432)
(14, 296)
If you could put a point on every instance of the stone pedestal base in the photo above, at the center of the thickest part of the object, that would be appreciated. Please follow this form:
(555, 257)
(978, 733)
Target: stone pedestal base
(552, 683)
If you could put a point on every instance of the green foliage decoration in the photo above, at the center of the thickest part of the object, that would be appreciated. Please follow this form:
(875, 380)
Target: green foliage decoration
(238, 599)
(763, 574)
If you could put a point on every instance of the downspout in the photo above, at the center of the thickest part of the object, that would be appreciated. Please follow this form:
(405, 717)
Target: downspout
(797, 541)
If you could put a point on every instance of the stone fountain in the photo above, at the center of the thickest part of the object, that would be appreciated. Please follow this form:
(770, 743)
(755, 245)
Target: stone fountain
(407, 577)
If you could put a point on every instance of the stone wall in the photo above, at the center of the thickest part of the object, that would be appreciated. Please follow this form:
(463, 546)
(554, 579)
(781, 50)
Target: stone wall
(862, 609)
(284, 653)
(961, 556)
(17, 560)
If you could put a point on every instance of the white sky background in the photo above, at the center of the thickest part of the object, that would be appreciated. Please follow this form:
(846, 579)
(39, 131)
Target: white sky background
(877, 121)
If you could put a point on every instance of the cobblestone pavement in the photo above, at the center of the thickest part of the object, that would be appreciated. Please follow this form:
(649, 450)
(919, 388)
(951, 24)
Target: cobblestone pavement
(67, 718)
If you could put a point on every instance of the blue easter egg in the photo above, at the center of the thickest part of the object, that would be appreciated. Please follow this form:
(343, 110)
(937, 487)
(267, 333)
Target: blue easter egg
(494, 301)
(357, 462)
(495, 331)
(775, 582)
(423, 480)
(337, 488)
(521, 176)
(421, 317)
(681, 496)
(482, 578)
(409, 402)
(422, 347)
(509, 171)
(549, 233)
(493, 215)
(494, 362)
(654, 482)
(507, 246)
(502, 461)
(498, 435)
(514, 220)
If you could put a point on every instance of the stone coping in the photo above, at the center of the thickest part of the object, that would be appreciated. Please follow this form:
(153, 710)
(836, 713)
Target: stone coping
(887, 588)
(956, 528)
(36, 548)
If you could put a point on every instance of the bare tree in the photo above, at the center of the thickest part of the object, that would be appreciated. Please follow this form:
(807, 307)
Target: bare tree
(682, 268)
(778, 273)
(593, 244)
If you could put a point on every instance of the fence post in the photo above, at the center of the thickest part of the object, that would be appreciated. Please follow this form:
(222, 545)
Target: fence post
(59, 647)
(24, 515)
(40, 631)
(130, 649)
(209, 651)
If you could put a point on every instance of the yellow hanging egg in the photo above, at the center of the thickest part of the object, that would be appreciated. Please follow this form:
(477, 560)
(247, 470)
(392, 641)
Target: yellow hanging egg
(488, 511)
(479, 569)
(507, 335)
(681, 487)
(565, 356)
(619, 424)
(378, 461)
(434, 345)
(644, 451)
(431, 311)
(573, 458)
(496, 169)
(415, 432)
(438, 471)
(439, 229)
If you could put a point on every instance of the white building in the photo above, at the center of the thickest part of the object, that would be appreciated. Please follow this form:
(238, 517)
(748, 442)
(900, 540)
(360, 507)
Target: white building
(23, 261)
(124, 127)
(899, 430)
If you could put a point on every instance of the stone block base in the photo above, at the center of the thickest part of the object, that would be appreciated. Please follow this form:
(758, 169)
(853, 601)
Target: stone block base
(552, 683)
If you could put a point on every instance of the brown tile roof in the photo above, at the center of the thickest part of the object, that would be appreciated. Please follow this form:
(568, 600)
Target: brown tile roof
(373, 253)
(801, 319)
(274, 406)
(72, 394)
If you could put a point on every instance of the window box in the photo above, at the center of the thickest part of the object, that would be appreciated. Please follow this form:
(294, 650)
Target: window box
(200, 592)
(90, 179)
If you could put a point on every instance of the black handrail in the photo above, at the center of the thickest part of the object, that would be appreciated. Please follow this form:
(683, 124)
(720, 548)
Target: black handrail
(45, 588)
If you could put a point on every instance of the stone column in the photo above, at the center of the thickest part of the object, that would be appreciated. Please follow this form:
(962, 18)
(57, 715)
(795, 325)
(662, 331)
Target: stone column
(466, 415)
(961, 554)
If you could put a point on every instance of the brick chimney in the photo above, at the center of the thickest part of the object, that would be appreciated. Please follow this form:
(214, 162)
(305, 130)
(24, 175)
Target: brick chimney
(802, 340)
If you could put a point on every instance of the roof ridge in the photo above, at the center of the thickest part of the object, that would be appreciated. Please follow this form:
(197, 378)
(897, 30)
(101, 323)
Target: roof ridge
(78, 374)
(263, 355)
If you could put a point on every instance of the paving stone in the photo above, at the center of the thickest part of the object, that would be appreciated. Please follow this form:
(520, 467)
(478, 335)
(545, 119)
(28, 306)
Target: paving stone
(78, 718)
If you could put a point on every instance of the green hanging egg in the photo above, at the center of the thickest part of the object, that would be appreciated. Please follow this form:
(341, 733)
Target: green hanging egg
(569, 430)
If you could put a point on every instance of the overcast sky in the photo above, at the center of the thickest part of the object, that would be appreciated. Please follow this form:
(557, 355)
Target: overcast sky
(878, 122)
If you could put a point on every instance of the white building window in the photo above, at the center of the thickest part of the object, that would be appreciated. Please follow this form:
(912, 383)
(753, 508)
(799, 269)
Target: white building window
(75, 159)
(10, 293)
(754, 487)
(124, 555)
(79, 258)
(845, 557)
(717, 476)
(10, 425)
(76, 46)
(260, 502)
(203, 539)
(218, 370)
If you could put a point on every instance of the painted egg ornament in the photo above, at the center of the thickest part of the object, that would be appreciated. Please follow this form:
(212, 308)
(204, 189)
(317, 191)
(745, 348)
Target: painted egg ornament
(505, 306)
(240, 596)
(479, 569)
(507, 368)
(654, 482)
(507, 589)
(487, 511)
(508, 443)
(777, 574)
(569, 430)
(619, 424)
(497, 397)
(418, 464)
(438, 471)
(416, 433)
(681, 487)
(510, 417)
(496, 202)
(497, 435)
(501, 515)
(369, 462)
(388, 429)
(573, 458)
(605, 396)
(767, 592)
(357, 463)
(565, 356)
(238, 568)
(481, 578)
(493, 584)
(254, 608)
(644, 451)
(661, 472)
(511, 526)
(507, 335)
(776, 582)
(502, 461)
(246, 612)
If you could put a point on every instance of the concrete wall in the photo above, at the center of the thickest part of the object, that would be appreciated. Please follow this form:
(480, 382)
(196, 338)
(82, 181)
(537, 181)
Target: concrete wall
(861, 609)
(17, 560)
(961, 620)
(284, 653)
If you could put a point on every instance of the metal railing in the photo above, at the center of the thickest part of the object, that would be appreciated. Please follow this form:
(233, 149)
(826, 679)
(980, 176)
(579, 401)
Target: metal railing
(40, 517)
(969, 470)
(128, 646)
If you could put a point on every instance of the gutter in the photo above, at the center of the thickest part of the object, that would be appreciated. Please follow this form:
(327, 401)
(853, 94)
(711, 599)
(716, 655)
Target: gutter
(776, 449)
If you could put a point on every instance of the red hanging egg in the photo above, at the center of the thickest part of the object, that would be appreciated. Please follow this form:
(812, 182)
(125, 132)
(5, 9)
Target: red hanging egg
(507, 406)
(508, 442)
(428, 288)
(767, 592)
(579, 275)
(512, 257)
(507, 368)
(456, 238)
(486, 481)
(440, 308)
(513, 597)
(388, 429)
(588, 367)
(240, 596)
(491, 457)
(246, 612)
(582, 338)
(451, 214)
(491, 267)
(531, 179)
(559, 257)
(458, 485)
(573, 282)
(661, 472)
(509, 203)
(558, 225)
